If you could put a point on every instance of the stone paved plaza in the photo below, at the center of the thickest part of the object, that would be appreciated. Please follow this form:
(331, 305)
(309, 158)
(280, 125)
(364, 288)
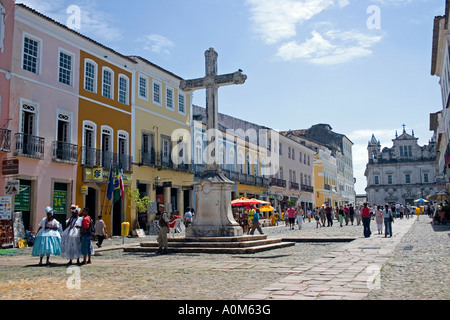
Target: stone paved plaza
(413, 264)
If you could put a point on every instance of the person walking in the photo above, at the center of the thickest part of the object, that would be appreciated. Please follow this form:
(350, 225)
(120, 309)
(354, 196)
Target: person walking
(328, 211)
(341, 213)
(317, 218)
(322, 215)
(70, 238)
(365, 215)
(351, 213)
(86, 235)
(291, 216)
(255, 223)
(358, 215)
(346, 214)
(100, 231)
(388, 219)
(379, 219)
(163, 229)
(48, 237)
(300, 218)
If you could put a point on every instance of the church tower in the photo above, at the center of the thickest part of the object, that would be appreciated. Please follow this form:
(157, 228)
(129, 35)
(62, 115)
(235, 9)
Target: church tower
(374, 150)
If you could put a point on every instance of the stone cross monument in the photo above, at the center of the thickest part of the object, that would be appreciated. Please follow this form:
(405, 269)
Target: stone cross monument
(213, 215)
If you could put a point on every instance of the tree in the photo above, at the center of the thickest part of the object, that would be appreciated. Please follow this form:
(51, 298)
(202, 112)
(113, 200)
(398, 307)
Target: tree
(137, 201)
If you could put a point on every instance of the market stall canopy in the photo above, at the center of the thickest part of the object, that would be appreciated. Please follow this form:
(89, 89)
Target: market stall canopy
(266, 208)
(421, 200)
(248, 202)
(441, 196)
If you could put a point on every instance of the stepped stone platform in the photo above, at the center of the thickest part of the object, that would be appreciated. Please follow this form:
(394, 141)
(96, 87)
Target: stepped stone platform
(318, 240)
(230, 245)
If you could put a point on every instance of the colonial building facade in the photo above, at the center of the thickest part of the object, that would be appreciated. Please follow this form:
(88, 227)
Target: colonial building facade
(402, 173)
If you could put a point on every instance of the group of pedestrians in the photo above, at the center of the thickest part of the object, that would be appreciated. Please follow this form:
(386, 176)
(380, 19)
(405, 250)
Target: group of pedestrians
(75, 242)
(348, 214)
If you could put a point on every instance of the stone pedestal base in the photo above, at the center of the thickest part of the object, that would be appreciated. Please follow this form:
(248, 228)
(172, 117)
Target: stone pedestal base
(213, 215)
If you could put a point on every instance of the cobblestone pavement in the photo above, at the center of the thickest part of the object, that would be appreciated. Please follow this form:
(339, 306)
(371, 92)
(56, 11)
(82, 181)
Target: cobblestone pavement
(117, 275)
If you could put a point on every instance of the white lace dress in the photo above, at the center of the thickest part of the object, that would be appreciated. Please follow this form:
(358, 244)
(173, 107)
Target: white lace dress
(70, 239)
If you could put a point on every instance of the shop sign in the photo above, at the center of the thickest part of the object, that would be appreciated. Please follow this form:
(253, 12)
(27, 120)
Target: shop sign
(12, 187)
(5, 208)
(10, 166)
(22, 200)
(84, 190)
(59, 201)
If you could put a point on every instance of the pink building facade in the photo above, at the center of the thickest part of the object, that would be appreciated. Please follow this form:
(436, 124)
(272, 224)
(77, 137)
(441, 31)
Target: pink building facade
(6, 44)
(43, 106)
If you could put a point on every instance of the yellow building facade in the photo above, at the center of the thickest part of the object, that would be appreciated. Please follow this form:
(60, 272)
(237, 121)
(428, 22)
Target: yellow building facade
(161, 117)
(325, 179)
(104, 133)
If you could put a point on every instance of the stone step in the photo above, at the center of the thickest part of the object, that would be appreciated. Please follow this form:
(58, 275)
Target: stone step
(220, 239)
(207, 244)
(318, 240)
(214, 250)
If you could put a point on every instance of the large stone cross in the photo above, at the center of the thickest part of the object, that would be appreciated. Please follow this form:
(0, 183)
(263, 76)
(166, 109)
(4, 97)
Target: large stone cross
(211, 82)
(213, 217)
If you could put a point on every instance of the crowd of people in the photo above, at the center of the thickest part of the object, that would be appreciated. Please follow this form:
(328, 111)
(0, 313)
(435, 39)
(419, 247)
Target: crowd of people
(325, 216)
(74, 242)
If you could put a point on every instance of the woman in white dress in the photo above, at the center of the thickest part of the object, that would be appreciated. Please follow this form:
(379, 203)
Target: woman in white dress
(48, 238)
(70, 238)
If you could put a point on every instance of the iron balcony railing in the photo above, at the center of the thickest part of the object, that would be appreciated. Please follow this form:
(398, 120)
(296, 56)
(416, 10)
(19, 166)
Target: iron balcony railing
(235, 176)
(29, 146)
(94, 158)
(158, 160)
(5, 140)
(306, 188)
(294, 185)
(65, 152)
(278, 182)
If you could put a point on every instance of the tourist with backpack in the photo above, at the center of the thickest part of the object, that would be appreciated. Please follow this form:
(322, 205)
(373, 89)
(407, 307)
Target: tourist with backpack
(388, 219)
(87, 226)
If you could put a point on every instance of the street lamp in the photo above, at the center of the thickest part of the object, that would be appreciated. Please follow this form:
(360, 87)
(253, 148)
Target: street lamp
(157, 182)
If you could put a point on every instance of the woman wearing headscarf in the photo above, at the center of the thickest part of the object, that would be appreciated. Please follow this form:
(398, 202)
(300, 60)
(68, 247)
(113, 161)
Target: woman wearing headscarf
(70, 238)
(48, 237)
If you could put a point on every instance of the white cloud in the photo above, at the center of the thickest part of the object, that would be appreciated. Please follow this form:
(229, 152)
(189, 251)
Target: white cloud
(276, 20)
(330, 48)
(157, 43)
(95, 23)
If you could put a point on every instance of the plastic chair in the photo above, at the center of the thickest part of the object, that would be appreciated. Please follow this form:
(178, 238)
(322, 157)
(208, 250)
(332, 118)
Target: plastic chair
(174, 227)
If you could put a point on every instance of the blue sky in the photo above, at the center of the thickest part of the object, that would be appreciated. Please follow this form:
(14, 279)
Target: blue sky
(362, 69)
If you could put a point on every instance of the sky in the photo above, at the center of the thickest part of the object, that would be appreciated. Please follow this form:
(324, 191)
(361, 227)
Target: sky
(361, 66)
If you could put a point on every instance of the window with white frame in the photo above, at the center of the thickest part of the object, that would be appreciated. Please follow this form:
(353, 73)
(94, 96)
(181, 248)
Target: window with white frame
(123, 89)
(157, 97)
(181, 103)
(143, 87)
(169, 98)
(31, 54)
(198, 152)
(28, 125)
(2, 26)
(65, 68)
(90, 76)
(108, 83)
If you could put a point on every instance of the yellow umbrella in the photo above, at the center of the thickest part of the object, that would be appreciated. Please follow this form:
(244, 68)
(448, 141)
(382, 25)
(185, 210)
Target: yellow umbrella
(266, 208)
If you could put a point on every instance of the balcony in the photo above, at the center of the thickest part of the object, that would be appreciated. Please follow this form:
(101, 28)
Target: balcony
(29, 146)
(157, 160)
(65, 152)
(90, 157)
(5, 140)
(306, 188)
(237, 177)
(278, 182)
(294, 186)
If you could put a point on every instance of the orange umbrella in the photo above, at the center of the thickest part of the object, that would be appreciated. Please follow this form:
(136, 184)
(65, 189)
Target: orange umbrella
(244, 202)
